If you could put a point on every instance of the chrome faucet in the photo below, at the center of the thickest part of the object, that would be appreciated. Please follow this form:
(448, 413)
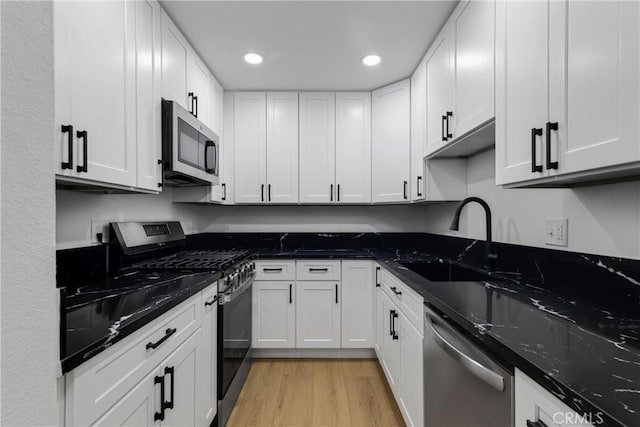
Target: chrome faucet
(455, 225)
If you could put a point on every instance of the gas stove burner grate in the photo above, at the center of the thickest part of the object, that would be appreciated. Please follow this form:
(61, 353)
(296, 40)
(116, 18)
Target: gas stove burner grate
(194, 260)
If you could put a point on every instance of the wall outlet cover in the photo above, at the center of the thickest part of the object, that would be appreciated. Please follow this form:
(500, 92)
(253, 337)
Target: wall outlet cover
(99, 226)
(556, 231)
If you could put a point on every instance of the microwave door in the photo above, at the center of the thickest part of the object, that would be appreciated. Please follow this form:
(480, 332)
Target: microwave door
(188, 144)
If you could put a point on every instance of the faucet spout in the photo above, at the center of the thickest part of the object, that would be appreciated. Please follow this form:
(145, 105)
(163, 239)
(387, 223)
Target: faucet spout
(455, 223)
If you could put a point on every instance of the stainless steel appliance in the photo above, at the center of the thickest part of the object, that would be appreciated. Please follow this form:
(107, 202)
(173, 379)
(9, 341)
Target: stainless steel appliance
(462, 385)
(189, 149)
(234, 336)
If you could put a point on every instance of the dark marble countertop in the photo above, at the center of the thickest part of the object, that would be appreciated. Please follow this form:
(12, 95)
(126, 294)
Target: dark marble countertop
(106, 311)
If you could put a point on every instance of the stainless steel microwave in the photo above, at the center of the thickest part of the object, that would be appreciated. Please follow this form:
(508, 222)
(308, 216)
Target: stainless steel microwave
(190, 150)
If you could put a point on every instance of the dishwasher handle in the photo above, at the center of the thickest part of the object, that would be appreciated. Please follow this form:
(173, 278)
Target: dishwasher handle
(487, 375)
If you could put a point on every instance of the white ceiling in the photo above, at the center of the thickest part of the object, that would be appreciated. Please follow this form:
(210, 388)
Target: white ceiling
(309, 45)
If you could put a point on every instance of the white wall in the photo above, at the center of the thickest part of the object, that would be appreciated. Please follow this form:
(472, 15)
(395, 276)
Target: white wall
(313, 219)
(29, 323)
(603, 219)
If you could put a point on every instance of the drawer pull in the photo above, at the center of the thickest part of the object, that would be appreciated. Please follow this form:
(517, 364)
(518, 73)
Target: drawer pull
(272, 269)
(319, 269)
(535, 423)
(166, 336)
(396, 291)
(213, 301)
(377, 280)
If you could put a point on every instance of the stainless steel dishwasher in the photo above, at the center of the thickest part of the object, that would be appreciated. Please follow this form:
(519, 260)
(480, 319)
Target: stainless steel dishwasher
(463, 387)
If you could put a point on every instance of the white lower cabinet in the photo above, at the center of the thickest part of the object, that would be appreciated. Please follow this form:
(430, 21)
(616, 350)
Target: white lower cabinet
(207, 381)
(411, 376)
(390, 346)
(358, 302)
(318, 314)
(274, 314)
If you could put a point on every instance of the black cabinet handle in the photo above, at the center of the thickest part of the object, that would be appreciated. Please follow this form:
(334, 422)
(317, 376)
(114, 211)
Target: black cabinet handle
(68, 164)
(390, 322)
(212, 168)
(377, 280)
(393, 324)
(404, 190)
(449, 114)
(269, 192)
(190, 95)
(535, 132)
(444, 137)
(166, 336)
(396, 291)
(331, 193)
(338, 192)
(159, 416)
(535, 423)
(272, 269)
(170, 371)
(419, 193)
(212, 302)
(195, 98)
(290, 293)
(224, 191)
(262, 192)
(336, 293)
(83, 134)
(551, 126)
(319, 269)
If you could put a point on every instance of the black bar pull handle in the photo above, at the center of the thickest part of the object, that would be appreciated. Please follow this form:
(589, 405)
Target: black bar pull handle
(419, 193)
(212, 302)
(551, 126)
(170, 371)
(535, 423)
(396, 291)
(319, 269)
(404, 189)
(444, 137)
(377, 277)
(290, 293)
(262, 192)
(224, 191)
(68, 164)
(167, 334)
(195, 98)
(535, 132)
(394, 316)
(272, 269)
(331, 193)
(159, 416)
(449, 115)
(269, 192)
(338, 192)
(390, 322)
(336, 293)
(83, 135)
(190, 101)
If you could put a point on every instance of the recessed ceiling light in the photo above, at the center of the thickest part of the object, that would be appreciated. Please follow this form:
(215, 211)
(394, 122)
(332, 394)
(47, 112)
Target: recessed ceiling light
(371, 60)
(253, 58)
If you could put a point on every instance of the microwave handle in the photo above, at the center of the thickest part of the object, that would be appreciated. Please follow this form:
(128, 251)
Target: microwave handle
(215, 157)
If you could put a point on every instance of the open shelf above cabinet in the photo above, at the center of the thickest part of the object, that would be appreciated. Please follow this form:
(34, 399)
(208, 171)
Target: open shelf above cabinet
(477, 140)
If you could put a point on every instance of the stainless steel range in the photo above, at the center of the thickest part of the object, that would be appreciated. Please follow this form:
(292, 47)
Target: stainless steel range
(160, 246)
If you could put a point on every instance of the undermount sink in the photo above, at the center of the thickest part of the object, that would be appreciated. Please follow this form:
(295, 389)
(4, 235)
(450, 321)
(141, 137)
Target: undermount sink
(445, 272)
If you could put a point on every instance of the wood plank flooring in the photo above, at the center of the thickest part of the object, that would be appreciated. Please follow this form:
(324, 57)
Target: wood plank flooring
(310, 392)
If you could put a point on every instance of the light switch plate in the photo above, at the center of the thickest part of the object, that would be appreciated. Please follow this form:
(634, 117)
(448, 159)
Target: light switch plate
(556, 231)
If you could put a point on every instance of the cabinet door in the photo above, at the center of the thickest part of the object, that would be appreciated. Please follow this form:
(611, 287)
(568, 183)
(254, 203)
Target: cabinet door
(217, 106)
(198, 77)
(95, 39)
(598, 123)
(282, 147)
(317, 147)
(380, 323)
(358, 304)
(318, 314)
(274, 314)
(411, 377)
(148, 82)
(440, 87)
(390, 343)
(418, 131)
(207, 379)
(474, 61)
(138, 407)
(353, 147)
(521, 87)
(175, 52)
(250, 145)
(391, 142)
(180, 387)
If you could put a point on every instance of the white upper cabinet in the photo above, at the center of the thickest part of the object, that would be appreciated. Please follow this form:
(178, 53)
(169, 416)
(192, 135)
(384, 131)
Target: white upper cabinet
(199, 89)
(107, 98)
(460, 76)
(250, 147)
(391, 142)
(418, 131)
(353, 147)
(175, 53)
(282, 147)
(317, 147)
(567, 97)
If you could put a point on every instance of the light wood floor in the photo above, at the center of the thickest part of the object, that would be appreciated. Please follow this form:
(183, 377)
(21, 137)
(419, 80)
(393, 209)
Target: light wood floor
(333, 392)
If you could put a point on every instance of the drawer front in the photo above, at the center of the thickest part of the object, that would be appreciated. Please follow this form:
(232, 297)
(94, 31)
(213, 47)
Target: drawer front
(318, 270)
(92, 388)
(408, 301)
(275, 270)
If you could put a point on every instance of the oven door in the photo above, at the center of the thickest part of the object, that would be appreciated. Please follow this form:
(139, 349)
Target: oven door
(234, 334)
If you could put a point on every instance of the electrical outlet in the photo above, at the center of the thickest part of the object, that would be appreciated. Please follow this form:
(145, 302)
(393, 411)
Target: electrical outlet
(99, 226)
(556, 231)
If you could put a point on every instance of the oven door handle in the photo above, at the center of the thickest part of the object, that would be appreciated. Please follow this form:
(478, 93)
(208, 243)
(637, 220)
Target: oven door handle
(487, 375)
